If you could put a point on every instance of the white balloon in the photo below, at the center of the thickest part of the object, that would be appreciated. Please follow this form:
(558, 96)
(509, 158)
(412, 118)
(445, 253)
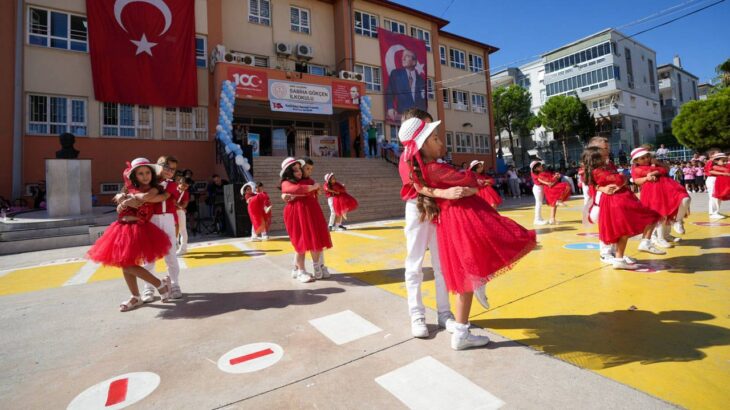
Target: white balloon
(246, 167)
(228, 151)
(239, 160)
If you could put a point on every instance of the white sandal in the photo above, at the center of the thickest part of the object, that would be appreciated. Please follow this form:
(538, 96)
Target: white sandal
(130, 304)
(165, 289)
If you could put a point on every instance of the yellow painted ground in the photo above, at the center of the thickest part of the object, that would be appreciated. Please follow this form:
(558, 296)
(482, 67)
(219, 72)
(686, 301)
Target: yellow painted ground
(666, 333)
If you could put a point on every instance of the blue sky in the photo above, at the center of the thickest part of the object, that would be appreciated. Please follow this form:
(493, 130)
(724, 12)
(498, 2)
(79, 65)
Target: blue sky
(527, 28)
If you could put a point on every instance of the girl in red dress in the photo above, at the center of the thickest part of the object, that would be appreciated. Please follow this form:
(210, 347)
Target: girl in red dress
(255, 206)
(266, 200)
(476, 244)
(486, 191)
(555, 191)
(721, 171)
(622, 214)
(660, 193)
(342, 202)
(303, 218)
(132, 240)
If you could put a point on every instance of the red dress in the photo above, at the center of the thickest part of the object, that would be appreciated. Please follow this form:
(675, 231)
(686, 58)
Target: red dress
(488, 193)
(622, 214)
(343, 202)
(560, 191)
(722, 184)
(475, 242)
(260, 220)
(304, 219)
(131, 243)
(663, 195)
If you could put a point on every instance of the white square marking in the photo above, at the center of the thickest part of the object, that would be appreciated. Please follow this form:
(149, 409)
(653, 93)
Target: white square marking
(429, 384)
(344, 327)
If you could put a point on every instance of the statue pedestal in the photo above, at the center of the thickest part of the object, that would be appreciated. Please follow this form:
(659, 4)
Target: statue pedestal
(68, 187)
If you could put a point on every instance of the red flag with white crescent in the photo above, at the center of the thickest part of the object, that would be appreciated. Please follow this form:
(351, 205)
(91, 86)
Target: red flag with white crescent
(143, 51)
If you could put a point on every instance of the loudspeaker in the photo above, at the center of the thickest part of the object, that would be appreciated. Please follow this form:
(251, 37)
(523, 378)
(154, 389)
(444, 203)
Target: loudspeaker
(238, 223)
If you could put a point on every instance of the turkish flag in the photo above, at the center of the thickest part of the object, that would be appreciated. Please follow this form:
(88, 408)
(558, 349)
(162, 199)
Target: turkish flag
(404, 81)
(143, 51)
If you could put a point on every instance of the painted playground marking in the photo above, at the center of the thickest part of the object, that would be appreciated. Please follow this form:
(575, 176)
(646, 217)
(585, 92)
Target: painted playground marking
(588, 234)
(117, 392)
(582, 246)
(250, 358)
(711, 223)
(344, 327)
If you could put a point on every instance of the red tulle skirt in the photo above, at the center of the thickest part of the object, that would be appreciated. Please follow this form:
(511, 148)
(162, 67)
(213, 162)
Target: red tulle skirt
(557, 192)
(490, 195)
(344, 203)
(722, 188)
(306, 225)
(476, 243)
(260, 220)
(622, 214)
(130, 244)
(663, 196)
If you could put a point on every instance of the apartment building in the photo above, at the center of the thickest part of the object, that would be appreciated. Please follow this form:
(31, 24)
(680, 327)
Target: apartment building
(676, 87)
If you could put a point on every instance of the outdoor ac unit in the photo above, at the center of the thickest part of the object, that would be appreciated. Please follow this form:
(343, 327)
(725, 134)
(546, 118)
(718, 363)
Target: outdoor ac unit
(305, 51)
(239, 58)
(350, 75)
(283, 49)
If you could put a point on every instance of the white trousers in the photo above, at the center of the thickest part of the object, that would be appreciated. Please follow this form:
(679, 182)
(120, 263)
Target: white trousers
(419, 237)
(570, 182)
(514, 187)
(714, 203)
(586, 194)
(182, 224)
(539, 195)
(604, 249)
(166, 222)
(333, 217)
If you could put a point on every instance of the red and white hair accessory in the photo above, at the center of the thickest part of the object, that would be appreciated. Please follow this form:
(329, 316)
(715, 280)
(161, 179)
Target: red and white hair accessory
(718, 155)
(413, 133)
(289, 161)
(535, 163)
(328, 176)
(142, 162)
(475, 163)
(638, 153)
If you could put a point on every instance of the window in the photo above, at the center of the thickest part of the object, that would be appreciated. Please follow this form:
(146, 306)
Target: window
(126, 120)
(259, 12)
(694, 90)
(201, 52)
(394, 26)
(110, 187)
(53, 115)
(299, 20)
(460, 99)
(457, 58)
(316, 69)
(652, 82)
(481, 143)
(430, 91)
(445, 96)
(394, 133)
(449, 141)
(381, 129)
(479, 103)
(442, 54)
(366, 24)
(463, 142)
(629, 68)
(371, 75)
(524, 81)
(57, 30)
(424, 35)
(476, 63)
(681, 87)
(186, 123)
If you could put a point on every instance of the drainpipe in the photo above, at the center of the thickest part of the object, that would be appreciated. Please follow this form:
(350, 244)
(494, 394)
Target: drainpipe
(18, 104)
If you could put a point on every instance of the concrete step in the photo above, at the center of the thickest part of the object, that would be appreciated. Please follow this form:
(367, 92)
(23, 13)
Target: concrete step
(17, 235)
(41, 244)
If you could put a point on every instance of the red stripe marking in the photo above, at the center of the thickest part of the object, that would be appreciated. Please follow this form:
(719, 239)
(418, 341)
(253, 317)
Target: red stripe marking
(251, 356)
(117, 392)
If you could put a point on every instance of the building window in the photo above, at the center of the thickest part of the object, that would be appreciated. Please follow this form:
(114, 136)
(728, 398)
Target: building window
(380, 127)
(579, 57)
(460, 99)
(57, 30)
(201, 51)
(681, 87)
(54, 115)
(479, 103)
(394, 26)
(445, 96)
(394, 133)
(463, 142)
(442, 54)
(694, 90)
(430, 91)
(316, 69)
(629, 68)
(366, 24)
(424, 35)
(457, 58)
(371, 75)
(481, 143)
(524, 81)
(299, 20)
(449, 141)
(126, 120)
(583, 82)
(476, 63)
(259, 12)
(186, 123)
(652, 83)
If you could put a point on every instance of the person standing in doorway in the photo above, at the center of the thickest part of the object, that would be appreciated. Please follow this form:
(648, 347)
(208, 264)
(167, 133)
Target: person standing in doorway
(291, 137)
(372, 140)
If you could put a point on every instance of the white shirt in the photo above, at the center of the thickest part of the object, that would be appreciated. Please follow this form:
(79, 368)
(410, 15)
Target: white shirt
(512, 175)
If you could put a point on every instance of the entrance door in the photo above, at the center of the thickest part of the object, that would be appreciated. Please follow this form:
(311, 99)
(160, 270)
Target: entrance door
(345, 138)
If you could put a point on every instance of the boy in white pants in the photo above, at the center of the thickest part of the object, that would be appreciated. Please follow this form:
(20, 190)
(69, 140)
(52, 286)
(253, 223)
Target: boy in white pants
(714, 203)
(182, 226)
(539, 196)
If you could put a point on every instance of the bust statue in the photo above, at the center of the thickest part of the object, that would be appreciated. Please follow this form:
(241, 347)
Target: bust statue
(67, 150)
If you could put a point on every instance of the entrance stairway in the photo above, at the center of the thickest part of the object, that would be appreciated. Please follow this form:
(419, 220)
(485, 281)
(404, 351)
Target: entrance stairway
(373, 182)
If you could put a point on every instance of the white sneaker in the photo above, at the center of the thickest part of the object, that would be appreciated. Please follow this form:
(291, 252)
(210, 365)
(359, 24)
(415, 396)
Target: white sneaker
(480, 294)
(646, 246)
(182, 251)
(607, 258)
(621, 264)
(255, 238)
(672, 239)
(176, 293)
(264, 237)
(317, 271)
(630, 260)
(717, 216)
(325, 272)
(678, 227)
(539, 222)
(419, 328)
(552, 222)
(464, 340)
(148, 296)
(294, 273)
(446, 321)
(662, 243)
(304, 277)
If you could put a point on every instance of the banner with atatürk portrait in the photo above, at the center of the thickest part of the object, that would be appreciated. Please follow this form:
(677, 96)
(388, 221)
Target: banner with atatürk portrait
(403, 59)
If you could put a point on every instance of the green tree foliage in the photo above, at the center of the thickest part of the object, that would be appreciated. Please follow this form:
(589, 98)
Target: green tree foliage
(567, 117)
(702, 124)
(512, 112)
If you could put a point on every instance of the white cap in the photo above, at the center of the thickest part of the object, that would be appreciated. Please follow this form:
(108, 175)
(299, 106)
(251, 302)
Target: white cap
(417, 130)
(638, 153)
(718, 155)
(140, 162)
(249, 183)
(328, 176)
(475, 163)
(289, 161)
(535, 163)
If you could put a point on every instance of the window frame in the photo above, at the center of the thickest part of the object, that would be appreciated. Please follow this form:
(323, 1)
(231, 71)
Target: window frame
(456, 64)
(389, 22)
(449, 141)
(258, 18)
(204, 58)
(379, 83)
(136, 127)
(300, 28)
(483, 147)
(464, 148)
(455, 99)
(318, 66)
(425, 35)
(475, 106)
(442, 55)
(473, 67)
(69, 125)
(49, 37)
(430, 88)
(446, 98)
(198, 132)
(371, 32)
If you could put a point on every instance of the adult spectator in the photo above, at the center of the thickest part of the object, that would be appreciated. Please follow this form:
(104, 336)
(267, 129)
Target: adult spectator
(291, 137)
(514, 182)
(662, 153)
(216, 200)
(39, 196)
(406, 88)
(357, 143)
(372, 140)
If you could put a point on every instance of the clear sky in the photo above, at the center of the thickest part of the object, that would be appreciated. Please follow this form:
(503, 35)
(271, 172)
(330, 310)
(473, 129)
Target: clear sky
(527, 28)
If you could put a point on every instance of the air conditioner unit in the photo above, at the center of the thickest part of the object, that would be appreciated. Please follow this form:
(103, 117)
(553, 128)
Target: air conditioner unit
(305, 51)
(282, 48)
(350, 75)
(240, 58)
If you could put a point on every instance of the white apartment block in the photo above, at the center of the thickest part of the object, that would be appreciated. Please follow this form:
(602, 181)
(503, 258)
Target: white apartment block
(676, 87)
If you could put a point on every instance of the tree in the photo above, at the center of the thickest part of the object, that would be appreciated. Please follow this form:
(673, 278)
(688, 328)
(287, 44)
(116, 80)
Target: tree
(667, 138)
(702, 124)
(512, 112)
(567, 117)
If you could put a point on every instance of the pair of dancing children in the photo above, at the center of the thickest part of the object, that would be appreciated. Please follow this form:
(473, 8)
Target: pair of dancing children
(470, 242)
(717, 173)
(258, 204)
